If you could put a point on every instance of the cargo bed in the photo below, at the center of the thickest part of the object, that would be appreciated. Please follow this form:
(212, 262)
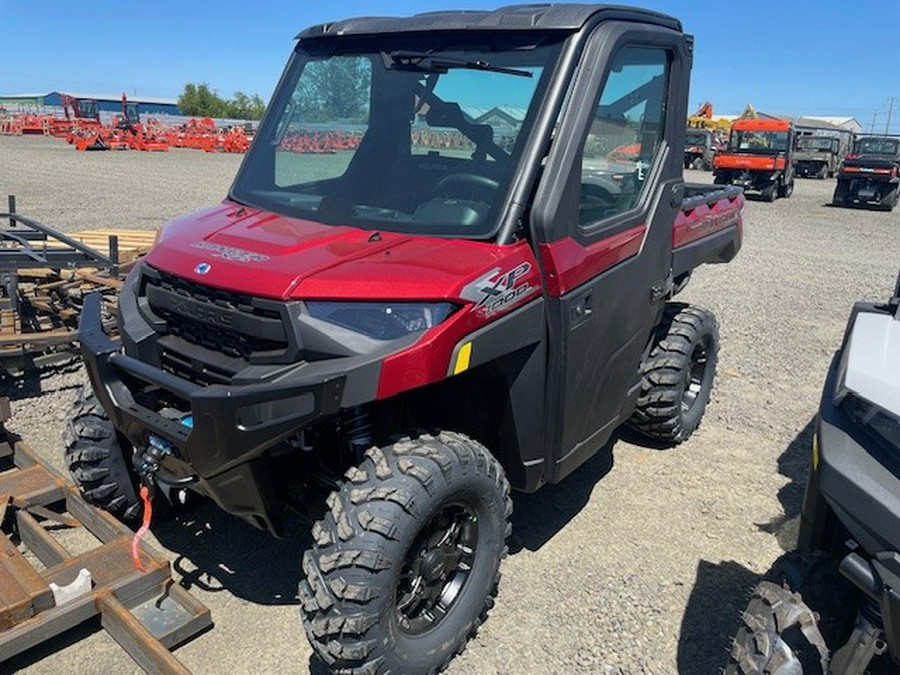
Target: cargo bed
(708, 228)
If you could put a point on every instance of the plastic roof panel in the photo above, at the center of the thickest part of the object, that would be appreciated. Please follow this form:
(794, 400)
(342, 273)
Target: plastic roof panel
(562, 17)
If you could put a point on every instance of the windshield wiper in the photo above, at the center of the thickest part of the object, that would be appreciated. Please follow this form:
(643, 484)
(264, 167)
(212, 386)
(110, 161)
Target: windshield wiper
(427, 63)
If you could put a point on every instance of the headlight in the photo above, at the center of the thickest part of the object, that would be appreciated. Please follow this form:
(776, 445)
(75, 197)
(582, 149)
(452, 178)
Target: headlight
(866, 385)
(381, 320)
(877, 420)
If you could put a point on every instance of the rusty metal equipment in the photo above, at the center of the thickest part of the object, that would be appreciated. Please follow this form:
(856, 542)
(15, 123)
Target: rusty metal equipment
(43, 276)
(147, 613)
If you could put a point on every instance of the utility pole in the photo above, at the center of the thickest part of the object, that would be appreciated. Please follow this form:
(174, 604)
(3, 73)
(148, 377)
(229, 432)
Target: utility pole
(887, 126)
(872, 124)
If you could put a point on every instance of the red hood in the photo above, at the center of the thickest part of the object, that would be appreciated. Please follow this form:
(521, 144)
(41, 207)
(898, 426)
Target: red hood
(260, 253)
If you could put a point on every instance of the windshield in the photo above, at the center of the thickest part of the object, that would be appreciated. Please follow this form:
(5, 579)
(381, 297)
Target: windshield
(695, 139)
(876, 146)
(758, 141)
(410, 137)
(817, 143)
(87, 108)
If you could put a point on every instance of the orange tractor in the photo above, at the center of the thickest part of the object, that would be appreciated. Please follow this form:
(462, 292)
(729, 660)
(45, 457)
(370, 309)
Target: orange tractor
(129, 132)
(81, 126)
(126, 132)
(760, 157)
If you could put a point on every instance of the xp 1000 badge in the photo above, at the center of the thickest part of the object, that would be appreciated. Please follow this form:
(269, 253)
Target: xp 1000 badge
(498, 290)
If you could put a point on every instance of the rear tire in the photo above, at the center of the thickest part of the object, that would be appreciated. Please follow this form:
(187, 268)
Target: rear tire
(840, 194)
(890, 200)
(677, 377)
(770, 193)
(786, 190)
(97, 460)
(405, 565)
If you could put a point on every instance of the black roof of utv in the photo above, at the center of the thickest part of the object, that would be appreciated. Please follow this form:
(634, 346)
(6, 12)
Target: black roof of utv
(562, 17)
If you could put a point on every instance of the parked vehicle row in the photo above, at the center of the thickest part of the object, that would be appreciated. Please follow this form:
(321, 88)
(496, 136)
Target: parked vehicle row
(766, 155)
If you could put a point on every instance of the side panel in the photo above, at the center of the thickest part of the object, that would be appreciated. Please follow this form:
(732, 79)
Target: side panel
(606, 278)
(709, 232)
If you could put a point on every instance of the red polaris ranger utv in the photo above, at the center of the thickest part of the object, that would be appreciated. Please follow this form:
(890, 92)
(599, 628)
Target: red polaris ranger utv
(444, 268)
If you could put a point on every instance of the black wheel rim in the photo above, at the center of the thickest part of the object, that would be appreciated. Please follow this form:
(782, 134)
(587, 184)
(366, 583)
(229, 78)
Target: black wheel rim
(694, 378)
(436, 569)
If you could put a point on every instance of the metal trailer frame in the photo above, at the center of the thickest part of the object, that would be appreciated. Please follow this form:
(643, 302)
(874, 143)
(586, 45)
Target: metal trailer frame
(27, 244)
(146, 612)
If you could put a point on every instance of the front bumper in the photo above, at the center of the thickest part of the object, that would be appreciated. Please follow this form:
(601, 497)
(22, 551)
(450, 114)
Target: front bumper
(749, 179)
(233, 425)
(856, 483)
(865, 188)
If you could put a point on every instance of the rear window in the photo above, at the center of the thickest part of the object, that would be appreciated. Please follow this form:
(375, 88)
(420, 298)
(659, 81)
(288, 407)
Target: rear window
(876, 146)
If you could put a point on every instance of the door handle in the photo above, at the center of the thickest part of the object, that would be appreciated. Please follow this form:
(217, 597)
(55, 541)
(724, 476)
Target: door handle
(581, 310)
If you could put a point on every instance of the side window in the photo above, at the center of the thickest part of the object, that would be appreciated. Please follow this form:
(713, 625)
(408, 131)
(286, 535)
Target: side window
(324, 121)
(625, 134)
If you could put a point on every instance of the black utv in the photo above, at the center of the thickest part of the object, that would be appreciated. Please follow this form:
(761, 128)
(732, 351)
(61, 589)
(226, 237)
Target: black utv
(870, 175)
(833, 606)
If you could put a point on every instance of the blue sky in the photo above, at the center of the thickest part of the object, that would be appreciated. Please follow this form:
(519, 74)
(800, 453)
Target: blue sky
(827, 57)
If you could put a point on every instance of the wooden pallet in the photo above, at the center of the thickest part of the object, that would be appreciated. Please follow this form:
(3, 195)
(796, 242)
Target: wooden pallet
(132, 243)
(144, 611)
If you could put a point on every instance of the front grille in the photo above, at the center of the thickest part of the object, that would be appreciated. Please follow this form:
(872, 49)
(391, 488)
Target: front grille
(231, 324)
(198, 372)
(214, 338)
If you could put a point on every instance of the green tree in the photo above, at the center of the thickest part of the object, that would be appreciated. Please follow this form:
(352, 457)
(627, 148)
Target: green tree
(199, 100)
(257, 107)
(336, 88)
(239, 106)
(187, 102)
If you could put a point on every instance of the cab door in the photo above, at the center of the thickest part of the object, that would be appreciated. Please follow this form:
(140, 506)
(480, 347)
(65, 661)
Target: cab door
(602, 220)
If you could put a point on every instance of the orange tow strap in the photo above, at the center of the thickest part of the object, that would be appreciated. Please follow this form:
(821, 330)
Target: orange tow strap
(145, 526)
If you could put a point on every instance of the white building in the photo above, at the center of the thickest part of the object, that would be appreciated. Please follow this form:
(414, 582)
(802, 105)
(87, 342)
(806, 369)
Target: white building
(848, 123)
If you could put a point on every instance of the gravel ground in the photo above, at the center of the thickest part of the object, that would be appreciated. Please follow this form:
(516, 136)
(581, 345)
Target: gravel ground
(644, 571)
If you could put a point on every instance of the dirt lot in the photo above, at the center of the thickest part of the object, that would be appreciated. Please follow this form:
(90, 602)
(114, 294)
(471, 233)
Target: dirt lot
(639, 563)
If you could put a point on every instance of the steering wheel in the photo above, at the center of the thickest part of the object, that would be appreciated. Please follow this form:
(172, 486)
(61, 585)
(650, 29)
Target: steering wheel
(468, 186)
